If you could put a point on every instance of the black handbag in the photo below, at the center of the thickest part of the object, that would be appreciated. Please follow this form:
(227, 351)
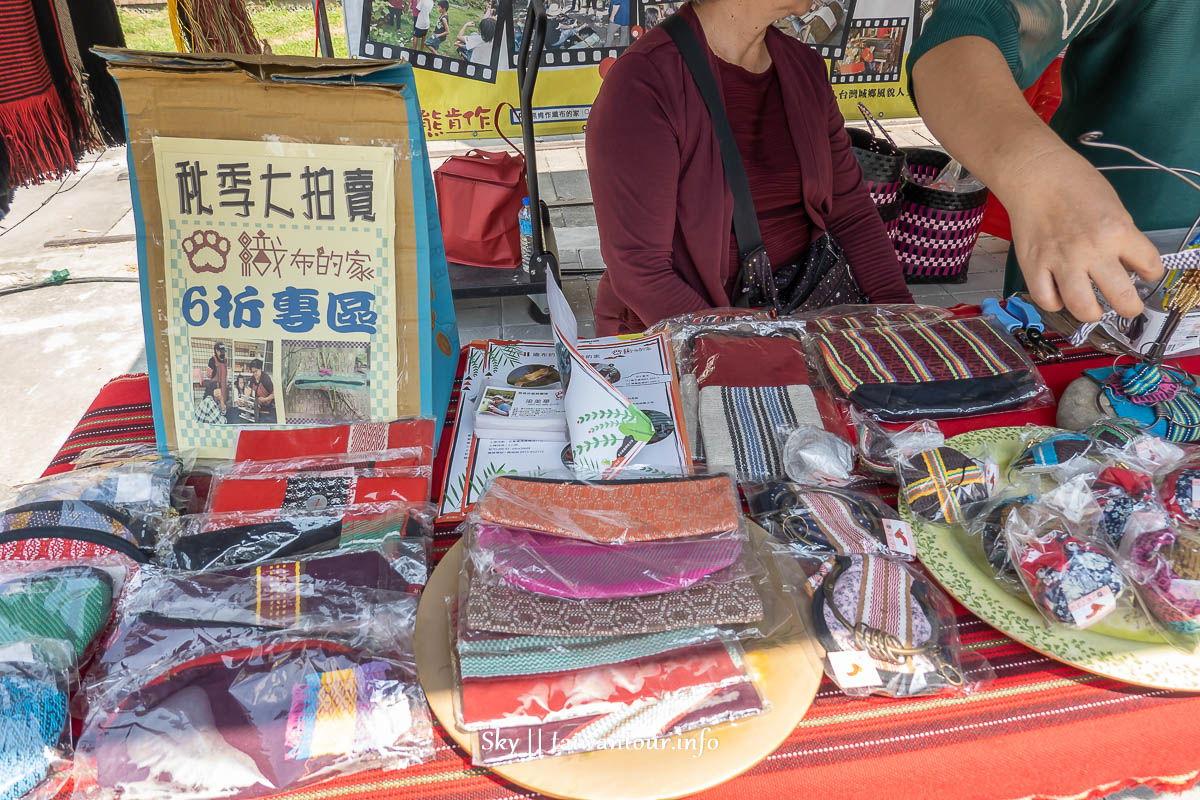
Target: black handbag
(820, 279)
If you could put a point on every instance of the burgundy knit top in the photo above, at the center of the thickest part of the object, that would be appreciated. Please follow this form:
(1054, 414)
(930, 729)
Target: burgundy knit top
(664, 209)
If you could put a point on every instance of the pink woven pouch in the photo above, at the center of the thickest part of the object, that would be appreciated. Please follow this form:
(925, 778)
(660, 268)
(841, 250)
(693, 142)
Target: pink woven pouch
(577, 569)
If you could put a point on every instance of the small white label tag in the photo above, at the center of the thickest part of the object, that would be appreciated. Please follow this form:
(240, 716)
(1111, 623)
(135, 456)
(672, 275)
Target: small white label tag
(1195, 491)
(991, 476)
(854, 669)
(1092, 607)
(133, 487)
(900, 537)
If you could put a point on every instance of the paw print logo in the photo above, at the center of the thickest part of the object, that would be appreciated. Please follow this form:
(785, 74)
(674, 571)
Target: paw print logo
(206, 251)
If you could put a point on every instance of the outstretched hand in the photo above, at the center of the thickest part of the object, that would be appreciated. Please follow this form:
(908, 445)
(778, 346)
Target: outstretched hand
(1071, 233)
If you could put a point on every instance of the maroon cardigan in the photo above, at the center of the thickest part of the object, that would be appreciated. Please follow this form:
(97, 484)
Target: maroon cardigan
(664, 209)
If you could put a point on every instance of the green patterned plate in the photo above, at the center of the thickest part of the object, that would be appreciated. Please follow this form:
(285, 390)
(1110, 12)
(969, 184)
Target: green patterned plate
(945, 552)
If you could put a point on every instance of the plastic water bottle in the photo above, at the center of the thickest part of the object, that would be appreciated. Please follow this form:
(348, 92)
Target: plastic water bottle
(525, 222)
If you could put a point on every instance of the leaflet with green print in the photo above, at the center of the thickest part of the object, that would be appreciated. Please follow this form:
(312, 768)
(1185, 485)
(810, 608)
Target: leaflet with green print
(641, 368)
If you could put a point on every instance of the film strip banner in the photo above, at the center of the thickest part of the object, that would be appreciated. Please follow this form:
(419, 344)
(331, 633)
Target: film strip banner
(430, 61)
(567, 58)
(873, 53)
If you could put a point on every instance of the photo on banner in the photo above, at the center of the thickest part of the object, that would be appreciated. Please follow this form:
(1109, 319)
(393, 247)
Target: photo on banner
(654, 13)
(326, 382)
(825, 26)
(578, 32)
(874, 52)
(462, 38)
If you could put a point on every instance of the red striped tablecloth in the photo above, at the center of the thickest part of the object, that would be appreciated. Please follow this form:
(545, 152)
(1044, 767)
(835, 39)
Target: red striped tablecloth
(1042, 730)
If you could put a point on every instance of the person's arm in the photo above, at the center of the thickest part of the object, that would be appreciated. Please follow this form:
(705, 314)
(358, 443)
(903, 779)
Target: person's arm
(1070, 229)
(633, 165)
(463, 33)
(855, 222)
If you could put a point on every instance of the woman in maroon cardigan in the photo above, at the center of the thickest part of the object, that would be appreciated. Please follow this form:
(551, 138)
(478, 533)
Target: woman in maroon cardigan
(663, 206)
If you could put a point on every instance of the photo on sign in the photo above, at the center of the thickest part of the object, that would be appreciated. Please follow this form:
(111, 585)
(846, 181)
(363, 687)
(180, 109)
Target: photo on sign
(326, 382)
(454, 37)
(654, 13)
(824, 27)
(232, 381)
(578, 31)
(874, 52)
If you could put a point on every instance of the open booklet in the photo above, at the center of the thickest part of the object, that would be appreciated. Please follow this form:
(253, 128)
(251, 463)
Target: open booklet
(620, 400)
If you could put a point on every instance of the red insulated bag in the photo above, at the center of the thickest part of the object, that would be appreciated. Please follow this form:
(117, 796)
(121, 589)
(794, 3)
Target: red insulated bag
(479, 196)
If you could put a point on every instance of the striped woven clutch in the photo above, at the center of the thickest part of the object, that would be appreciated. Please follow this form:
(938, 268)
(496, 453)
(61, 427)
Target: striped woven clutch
(950, 368)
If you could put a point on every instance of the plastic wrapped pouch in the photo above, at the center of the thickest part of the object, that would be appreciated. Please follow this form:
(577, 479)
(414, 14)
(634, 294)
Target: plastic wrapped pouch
(577, 569)
(818, 523)
(372, 463)
(273, 714)
(206, 541)
(74, 529)
(988, 525)
(492, 604)
(168, 617)
(1164, 566)
(952, 368)
(643, 726)
(944, 485)
(502, 702)
(1062, 453)
(1179, 491)
(35, 746)
(1071, 580)
(254, 444)
(887, 630)
(1125, 495)
(883, 315)
(54, 610)
(141, 486)
(615, 511)
(875, 443)
(812, 455)
(317, 492)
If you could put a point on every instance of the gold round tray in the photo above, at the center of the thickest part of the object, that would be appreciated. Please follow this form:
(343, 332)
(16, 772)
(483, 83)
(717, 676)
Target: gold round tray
(787, 675)
(1137, 656)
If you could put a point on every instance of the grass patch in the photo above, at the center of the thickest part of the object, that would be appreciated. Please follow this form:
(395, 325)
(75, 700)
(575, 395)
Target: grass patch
(288, 29)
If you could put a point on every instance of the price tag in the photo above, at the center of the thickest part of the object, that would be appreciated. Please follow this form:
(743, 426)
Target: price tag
(854, 669)
(134, 487)
(1092, 607)
(1195, 491)
(991, 476)
(900, 537)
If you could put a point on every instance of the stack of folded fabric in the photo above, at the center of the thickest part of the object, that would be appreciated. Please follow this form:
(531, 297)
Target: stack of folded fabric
(245, 682)
(594, 615)
(50, 612)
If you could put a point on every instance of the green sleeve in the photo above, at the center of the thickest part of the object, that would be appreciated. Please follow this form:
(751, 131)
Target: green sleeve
(1030, 33)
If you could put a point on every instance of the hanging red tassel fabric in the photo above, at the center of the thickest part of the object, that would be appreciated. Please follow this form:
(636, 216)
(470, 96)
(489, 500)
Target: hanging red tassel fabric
(33, 122)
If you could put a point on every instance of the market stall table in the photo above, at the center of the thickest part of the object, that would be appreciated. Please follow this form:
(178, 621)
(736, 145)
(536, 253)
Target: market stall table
(1041, 730)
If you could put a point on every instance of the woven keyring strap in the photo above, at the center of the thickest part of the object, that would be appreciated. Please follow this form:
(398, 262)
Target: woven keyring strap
(825, 508)
(885, 600)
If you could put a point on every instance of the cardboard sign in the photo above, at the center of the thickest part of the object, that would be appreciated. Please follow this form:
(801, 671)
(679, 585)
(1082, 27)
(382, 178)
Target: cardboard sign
(288, 244)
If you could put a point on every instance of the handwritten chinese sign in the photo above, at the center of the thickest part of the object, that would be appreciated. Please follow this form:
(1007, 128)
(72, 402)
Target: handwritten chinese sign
(280, 284)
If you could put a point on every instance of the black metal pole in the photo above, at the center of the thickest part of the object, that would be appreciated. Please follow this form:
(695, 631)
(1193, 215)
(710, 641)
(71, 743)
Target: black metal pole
(533, 44)
(324, 38)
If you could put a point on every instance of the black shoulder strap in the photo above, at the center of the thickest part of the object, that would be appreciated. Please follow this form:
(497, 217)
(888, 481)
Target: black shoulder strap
(745, 219)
